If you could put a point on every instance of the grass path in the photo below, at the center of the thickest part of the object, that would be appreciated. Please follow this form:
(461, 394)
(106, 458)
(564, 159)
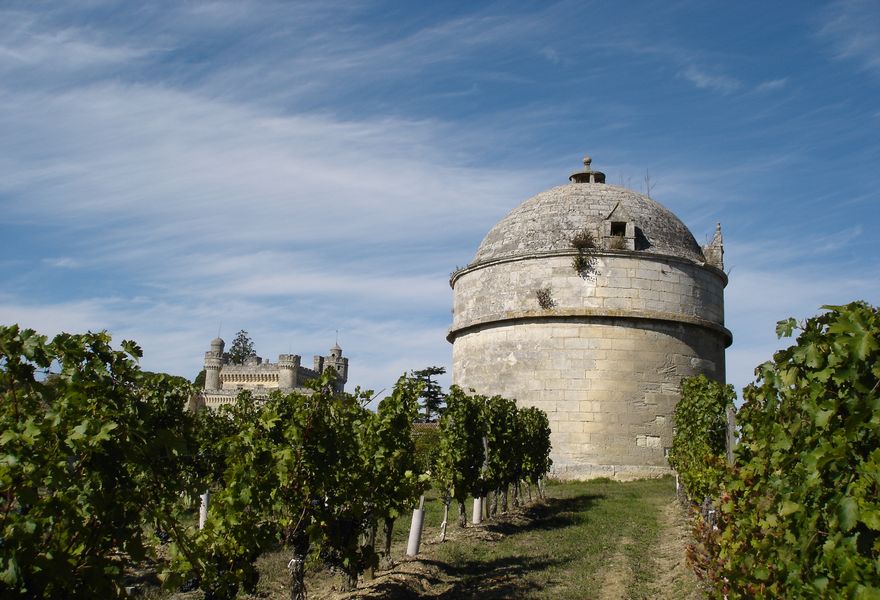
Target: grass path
(601, 539)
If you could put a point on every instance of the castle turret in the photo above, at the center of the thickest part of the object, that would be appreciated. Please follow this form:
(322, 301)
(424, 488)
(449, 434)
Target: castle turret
(213, 363)
(288, 366)
(339, 364)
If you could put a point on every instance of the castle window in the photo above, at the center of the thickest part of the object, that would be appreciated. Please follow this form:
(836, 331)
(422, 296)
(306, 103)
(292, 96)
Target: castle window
(618, 228)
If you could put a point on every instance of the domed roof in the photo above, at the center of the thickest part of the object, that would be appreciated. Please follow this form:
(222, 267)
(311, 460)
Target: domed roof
(546, 223)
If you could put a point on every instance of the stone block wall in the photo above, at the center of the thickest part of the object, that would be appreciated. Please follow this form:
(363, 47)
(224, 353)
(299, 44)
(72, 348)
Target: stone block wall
(608, 387)
(604, 359)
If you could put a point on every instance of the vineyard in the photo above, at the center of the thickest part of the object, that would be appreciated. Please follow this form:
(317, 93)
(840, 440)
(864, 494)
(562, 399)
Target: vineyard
(797, 513)
(102, 468)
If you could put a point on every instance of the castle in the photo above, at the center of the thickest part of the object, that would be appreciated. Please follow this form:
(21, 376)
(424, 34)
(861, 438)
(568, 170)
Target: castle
(224, 380)
(591, 302)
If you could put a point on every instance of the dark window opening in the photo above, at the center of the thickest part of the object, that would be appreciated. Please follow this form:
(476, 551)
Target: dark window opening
(618, 229)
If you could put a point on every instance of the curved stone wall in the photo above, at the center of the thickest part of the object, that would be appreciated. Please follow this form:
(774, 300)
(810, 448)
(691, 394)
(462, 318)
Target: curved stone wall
(605, 361)
(608, 386)
(624, 281)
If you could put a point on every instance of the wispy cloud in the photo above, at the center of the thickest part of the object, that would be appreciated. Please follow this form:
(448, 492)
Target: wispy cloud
(852, 29)
(772, 85)
(62, 262)
(294, 168)
(714, 82)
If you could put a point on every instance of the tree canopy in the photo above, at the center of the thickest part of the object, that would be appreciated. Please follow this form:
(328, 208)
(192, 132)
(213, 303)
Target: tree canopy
(242, 348)
(432, 397)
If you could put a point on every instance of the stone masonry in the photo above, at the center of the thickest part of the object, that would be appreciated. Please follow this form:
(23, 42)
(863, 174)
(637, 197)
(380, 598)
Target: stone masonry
(224, 380)
(601, 350)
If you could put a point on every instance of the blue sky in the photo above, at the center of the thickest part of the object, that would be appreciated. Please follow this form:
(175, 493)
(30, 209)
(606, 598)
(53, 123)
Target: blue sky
(298, 168)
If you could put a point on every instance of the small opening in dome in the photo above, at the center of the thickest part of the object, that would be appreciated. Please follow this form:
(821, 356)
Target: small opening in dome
(618, 228)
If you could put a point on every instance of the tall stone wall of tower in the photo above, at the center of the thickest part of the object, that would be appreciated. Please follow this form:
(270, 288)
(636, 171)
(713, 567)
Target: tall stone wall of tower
(604, 363)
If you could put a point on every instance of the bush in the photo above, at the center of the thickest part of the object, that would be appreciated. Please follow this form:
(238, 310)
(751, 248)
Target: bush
(699, 444)
(92, 459)
(801, 515)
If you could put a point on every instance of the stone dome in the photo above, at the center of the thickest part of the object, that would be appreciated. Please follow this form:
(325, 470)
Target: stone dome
(547, 222)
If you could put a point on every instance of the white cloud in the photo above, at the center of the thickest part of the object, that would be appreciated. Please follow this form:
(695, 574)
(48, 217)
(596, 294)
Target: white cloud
(706, 81)
(62, 262)
(852, 28)
(772, 85)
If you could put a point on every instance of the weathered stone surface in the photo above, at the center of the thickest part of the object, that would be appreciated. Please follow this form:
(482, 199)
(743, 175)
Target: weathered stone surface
(605, 360)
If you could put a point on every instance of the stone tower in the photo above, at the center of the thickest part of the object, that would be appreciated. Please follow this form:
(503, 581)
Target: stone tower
(213, 363)
(337, 362)
(591, 302)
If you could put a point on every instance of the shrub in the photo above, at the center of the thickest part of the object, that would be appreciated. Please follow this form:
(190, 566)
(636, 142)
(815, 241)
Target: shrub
(545, 298)
(583, 241)
(801, 516)
(699, 444)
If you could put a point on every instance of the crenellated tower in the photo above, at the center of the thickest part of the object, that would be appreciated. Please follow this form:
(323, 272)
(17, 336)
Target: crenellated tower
(288, 368)
(213, 364)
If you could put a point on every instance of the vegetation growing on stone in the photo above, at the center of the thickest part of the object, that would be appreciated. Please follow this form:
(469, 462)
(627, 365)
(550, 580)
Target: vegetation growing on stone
(583, 241)
(545, 298)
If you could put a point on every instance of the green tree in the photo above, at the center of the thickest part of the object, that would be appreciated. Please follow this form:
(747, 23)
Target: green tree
(93, 456)
(504, 445)
(535, 427)
(199, 381)
(242, 348)
(312, 472)
(432, 396)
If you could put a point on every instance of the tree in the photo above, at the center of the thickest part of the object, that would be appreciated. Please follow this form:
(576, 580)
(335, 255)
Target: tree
(432, 395)
(242, 348)
(199, 381)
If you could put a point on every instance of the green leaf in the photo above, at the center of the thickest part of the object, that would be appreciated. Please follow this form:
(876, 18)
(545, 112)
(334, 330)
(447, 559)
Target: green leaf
(785, 327)
(847, 513)
(788, 507)
(822, 416)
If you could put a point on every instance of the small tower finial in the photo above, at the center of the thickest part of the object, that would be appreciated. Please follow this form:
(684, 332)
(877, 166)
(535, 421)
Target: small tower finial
(588, 175)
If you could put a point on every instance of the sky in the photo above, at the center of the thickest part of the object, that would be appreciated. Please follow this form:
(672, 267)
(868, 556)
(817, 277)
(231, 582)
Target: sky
(314, 171)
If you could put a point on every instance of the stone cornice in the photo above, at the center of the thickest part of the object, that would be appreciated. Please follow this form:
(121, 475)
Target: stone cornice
(591, 314)
(640, 254)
